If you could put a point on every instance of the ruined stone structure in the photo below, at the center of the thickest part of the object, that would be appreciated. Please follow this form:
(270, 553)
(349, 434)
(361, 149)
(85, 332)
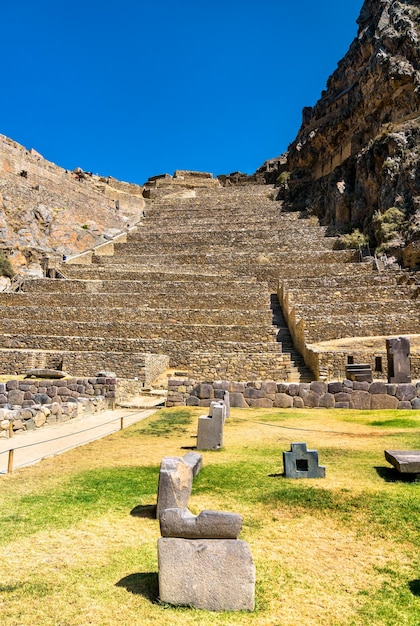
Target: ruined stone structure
(210, 283)
(45, 209)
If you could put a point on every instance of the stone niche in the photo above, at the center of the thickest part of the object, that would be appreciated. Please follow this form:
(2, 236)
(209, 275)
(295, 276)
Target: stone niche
(300, 462)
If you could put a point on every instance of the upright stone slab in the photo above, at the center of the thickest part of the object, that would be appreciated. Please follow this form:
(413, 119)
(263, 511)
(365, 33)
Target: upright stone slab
(210, 428)
(398, 355)
(302, 463)
(175, 484)
(211, 574)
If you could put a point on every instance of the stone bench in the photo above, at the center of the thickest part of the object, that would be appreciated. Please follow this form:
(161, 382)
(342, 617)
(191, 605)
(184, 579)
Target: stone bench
(406, 462)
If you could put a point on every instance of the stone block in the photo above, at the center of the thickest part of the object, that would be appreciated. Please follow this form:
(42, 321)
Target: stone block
(300, 462)
(361, 385)
(221, 384)
(195, 461)
(404, 404)
(16, 396)
(398, 355)
(361, 399)
(319, 387)
(415, 403)
(312, 399)
(254, 394)
(383, 401)
(192, 401)
(12, 385)
(237, 388)
(261, 403)
(406, 392)
(342, 405)
(175, 484)
(41, 398)
(378, 388)
(327, 401)
(237, 400)
(269, 387)
(347, 384)
(210, 428)
(298, 402)
(391, 389)
(405, 461)
(283, 401)
(294, 389)
(343, 397)
(211, 574)
(283, 388)
(335, 387)
(204, 391)
(207, 525)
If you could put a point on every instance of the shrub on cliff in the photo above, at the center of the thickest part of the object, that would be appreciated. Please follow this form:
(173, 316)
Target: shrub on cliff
(352, 240)
(389, 227)
(5, 267)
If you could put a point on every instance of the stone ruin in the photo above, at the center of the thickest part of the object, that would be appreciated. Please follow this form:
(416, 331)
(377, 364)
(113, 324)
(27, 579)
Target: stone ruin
(202, 563)
(300, 462)
(210, 427)
(398, 354)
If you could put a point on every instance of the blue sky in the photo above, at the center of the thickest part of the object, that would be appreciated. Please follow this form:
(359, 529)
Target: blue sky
(133, 89)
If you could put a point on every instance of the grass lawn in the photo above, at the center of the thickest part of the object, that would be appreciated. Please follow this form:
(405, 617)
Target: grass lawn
(78, 540)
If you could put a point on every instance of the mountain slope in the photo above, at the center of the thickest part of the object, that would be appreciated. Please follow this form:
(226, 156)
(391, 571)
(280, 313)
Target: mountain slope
(357, 153)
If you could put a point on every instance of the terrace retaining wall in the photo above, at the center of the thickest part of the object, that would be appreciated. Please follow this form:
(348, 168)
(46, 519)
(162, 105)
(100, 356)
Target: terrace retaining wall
(269, 394)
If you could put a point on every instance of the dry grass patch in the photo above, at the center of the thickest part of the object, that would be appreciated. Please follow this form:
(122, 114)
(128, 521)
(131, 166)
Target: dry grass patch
(78, 542)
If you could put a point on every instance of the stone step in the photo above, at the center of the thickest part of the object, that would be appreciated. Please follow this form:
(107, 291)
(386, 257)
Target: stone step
(128, 331)
(136, 314)
(153, 299)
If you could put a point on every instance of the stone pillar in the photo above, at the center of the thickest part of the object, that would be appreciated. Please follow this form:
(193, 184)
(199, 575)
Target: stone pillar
(398, 354)
(210, 428)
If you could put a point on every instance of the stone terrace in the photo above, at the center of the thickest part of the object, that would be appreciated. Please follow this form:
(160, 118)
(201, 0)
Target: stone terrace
(196, 283)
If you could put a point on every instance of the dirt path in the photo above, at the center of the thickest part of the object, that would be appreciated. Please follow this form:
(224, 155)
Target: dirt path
(33, 446)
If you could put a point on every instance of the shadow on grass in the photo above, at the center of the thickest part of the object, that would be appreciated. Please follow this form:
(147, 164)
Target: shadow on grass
(144, 510)
(391, 475)
(414, 586)
(144, 584)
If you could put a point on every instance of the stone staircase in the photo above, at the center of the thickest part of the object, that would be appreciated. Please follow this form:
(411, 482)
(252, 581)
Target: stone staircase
(222, 285)
(299, 372)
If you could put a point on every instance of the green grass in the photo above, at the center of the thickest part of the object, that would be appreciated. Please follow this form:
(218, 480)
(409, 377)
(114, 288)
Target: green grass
(78, 536)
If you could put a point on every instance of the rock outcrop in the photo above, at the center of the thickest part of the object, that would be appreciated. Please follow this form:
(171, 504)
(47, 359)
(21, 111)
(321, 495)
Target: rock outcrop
(355, 160)
(45, 209)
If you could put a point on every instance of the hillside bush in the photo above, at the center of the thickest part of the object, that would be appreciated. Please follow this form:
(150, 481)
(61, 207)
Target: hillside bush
(352, 240)
(5, 267)
(388, 226)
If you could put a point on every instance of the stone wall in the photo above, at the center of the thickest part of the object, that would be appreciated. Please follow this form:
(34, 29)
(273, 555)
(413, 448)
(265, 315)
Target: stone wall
(29, 404)
(260, 364)
(331, 364)
(345, 394)
(144, 367)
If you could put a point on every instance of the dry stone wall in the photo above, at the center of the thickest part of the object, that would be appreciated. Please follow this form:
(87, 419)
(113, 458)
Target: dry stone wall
(30, 404)
(344, 394)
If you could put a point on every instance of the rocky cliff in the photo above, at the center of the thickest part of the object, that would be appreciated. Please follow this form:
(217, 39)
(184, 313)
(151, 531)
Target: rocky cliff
(356, 159)
(45, 209)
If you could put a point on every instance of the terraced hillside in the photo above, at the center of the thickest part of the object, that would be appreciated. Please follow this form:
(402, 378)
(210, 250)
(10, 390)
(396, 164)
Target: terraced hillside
(197, 283)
